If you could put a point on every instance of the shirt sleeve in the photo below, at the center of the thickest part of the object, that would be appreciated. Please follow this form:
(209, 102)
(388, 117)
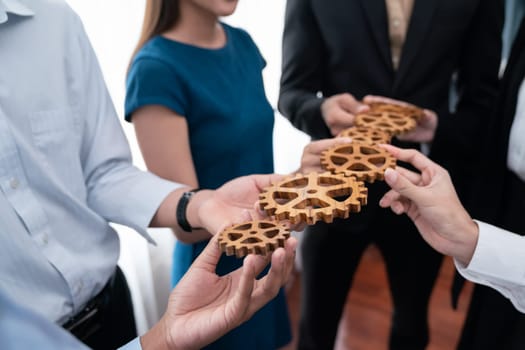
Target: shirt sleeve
(132, 345)
(498, 263)
(115, 189)
(153, 82)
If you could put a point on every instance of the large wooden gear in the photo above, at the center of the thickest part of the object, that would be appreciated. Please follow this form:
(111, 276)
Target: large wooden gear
(366, 135)
(362, 161)
(313, 197)
(253, 237)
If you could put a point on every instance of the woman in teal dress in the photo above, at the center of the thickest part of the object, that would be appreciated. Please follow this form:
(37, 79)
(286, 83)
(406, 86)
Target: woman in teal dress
(196, 98)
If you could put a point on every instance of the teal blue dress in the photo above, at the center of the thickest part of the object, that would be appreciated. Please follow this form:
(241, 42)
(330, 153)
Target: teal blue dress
(221, 94)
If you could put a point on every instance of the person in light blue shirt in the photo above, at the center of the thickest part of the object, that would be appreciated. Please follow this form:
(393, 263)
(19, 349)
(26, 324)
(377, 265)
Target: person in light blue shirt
(66, 173)
(202, 307)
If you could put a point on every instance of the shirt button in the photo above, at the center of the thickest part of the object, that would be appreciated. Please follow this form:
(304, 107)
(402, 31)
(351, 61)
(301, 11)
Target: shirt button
(14, 183)
(45, 238)
(396, 22)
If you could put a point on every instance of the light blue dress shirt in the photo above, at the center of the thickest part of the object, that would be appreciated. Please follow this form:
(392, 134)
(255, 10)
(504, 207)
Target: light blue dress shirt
(21, 328)
(65, 164)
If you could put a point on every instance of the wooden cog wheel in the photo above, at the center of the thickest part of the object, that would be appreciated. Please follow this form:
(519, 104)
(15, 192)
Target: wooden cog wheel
(410, 111)
(253, 237)
(362, 161)
(393, 123)
(366, 135)
(312, 197)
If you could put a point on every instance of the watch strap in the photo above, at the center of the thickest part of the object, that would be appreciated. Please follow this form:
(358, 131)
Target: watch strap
(182, 206)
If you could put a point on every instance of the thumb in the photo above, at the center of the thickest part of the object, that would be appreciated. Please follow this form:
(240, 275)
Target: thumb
(210, 256)
(402, 185)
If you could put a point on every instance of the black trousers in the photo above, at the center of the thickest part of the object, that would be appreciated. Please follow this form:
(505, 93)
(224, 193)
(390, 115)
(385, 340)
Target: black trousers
(107, 322)
(412, 267)
(492, 321)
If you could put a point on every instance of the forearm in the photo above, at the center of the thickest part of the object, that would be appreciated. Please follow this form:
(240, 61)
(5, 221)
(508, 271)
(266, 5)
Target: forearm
(166, 215)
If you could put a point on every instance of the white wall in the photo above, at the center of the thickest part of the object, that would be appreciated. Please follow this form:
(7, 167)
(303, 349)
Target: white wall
(113, 27)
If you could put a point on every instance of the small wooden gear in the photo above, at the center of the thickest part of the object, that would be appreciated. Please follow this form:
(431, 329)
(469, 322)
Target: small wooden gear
(312, 197)
(362, 161)
(253, 237)
(410, 111)
(366, 135)
(391, 122)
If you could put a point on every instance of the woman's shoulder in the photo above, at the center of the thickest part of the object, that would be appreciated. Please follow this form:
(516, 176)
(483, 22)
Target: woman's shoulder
(154, 48)
(237, 33)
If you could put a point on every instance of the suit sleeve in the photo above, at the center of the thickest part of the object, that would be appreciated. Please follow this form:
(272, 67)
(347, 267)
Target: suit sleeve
(477, 83)
(302, 70)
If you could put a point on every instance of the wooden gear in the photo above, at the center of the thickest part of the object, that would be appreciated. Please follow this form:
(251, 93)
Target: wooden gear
(325, 196)
(312, 197)
(362, 161)
(391, 122)
(410, 111)
(366, 135)
(253, 237)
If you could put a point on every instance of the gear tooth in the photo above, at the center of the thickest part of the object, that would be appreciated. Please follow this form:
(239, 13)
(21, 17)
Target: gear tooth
(240, 252)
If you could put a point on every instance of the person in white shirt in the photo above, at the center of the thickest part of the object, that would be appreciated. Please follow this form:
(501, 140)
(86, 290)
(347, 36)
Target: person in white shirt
(483, 253)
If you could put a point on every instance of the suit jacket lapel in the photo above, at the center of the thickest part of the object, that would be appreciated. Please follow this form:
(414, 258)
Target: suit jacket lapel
(420, 23)
(375, 11)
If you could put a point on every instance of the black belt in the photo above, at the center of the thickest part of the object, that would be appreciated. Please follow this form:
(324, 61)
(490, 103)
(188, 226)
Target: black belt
(88, 321)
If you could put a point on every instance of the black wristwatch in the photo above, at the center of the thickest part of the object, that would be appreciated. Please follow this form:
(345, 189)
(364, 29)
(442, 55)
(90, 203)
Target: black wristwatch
(181, 210)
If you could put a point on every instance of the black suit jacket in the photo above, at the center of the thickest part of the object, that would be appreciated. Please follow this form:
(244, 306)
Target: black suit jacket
(336, 46)
(492, 186)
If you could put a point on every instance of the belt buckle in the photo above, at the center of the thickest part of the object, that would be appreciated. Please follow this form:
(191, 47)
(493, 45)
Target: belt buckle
(84, 324)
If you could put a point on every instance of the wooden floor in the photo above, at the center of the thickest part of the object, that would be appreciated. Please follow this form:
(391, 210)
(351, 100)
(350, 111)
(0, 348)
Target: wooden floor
(366, 320)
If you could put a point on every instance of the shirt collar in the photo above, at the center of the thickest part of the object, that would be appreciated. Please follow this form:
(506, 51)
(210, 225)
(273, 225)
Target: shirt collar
(15, 7)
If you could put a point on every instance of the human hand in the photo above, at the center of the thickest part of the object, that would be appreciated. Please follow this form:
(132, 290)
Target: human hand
(311, 158)
(430, 201)
(204, 306)
(235, 201)
(426, 126)
(339, 112)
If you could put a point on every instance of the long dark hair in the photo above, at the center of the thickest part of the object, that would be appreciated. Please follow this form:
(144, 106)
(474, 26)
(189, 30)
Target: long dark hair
(159, 16)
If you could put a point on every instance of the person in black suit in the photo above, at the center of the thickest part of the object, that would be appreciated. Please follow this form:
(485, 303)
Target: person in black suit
(335, 52)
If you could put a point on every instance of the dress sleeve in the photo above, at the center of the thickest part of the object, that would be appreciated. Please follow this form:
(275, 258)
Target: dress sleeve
(498, 263)
(153, 82)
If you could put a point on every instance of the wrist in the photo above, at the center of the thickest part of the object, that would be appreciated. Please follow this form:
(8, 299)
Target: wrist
(157, 338)
(182, 211)
(468, 246)
(192, 210)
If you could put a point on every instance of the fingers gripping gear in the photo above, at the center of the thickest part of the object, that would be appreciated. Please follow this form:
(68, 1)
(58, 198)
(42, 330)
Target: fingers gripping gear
(312, 197)
(253, 237)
